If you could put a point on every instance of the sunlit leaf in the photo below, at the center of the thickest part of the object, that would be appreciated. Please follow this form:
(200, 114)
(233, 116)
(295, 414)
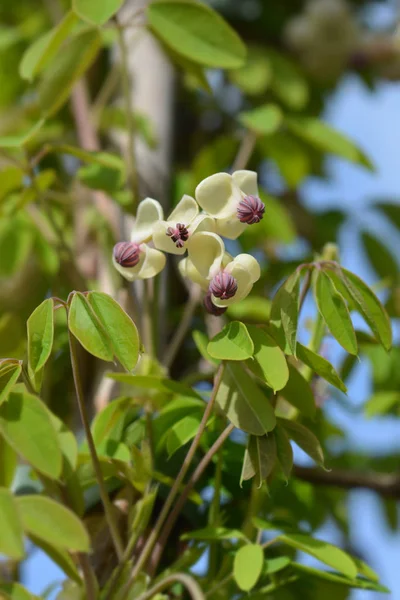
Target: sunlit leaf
(263, 120)
(232, 343)
(181, 433)
(247, 566)
(304, 438)
(9, 374)
(14, 591)
(269, 361)
(320, 366)
(8, 463)
(381, 403)
(380, 257)
(40, 326)
(363, 584)
(87, 329)
(201, 341)
(96, 12)
(287, 82)
(214, 533)
(11, 532)
(298, 393)
(285, 309)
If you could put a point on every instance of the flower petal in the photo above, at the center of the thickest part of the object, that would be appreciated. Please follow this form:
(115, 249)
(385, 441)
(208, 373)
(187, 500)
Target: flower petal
(218, 195)
(250, 264)
(185, 211)
(206, 251)
(246, 181)
(149, 212)
(244, 283)
(230, 228)
(154, 262)
(189, 271)
(163, 242)
(202, 223)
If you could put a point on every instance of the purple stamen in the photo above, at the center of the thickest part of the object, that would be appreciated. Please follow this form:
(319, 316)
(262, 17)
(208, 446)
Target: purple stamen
(178, 234)
(127, 254)
(223, 286)
(250, 210)
(210, 307)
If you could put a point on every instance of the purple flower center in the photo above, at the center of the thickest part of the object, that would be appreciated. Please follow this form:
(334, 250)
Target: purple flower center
(210, 307)
(250, 210)
(127, 254)
(223, 286)
(179, 234)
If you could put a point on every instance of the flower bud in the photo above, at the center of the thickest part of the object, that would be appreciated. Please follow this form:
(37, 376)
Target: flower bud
(223, 286)
(250, 210)
(127, 254)
(211, 308)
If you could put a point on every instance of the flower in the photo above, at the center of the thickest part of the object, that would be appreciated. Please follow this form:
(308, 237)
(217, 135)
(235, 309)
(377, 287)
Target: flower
(136, 259)
(227, 279)
(173, 234)
(232, 200)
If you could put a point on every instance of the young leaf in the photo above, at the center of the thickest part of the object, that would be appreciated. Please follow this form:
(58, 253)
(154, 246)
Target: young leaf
(299, 393)
(232, 343)
(243, 402)
(196, 32)
(39, 54)
(269, 361)
(201, 341)
(26, 424)
(304, 438)
(327, 553)
(263, 120)
(11, 533)
(320, 366)
(247, 566)
(334, 311)
(9, 374)
(87, 329)
(284, 451)
(96, 12)
(259, 458)
(76, 57)
(52, 522)
(119, 328)
(285, 309)
(40, 326)
(8, 463)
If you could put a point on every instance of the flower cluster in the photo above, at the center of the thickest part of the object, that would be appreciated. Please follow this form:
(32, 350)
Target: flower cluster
(230, 203)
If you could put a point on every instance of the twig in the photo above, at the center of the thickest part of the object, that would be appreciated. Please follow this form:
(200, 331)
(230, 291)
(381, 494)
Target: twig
(188, 582)
(245, 151)
(89, 578)
(108, 509)
(184, 325)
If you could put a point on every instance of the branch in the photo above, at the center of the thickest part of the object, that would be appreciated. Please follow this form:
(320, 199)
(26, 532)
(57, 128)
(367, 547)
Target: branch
(385, 484)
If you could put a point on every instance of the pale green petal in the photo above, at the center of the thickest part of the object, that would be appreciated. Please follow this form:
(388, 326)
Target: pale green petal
(149, 212)
(230, 227)
(246, 181)
(206, 251)
(189, 271)
(154, 262)
(185, 211)
(163, 242)
(131, 273)
(244, 282)
(218, 195)
(202, 223)
(250, 264)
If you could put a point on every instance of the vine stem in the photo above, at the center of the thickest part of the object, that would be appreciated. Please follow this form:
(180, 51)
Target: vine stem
(147, 325)
(179, 336)
(188, 582)
(152, 539)
(245, 151)
(197, 473)
(108, 509)
(89, 578)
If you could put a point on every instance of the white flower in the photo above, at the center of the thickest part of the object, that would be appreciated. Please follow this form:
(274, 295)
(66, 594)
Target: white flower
(173, 234)
(228, 279)
(135, 259)
(232, 200)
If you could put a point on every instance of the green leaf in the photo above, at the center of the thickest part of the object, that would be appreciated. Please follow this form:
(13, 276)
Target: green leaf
(269, 361)
(259, 458)
(339, 579)
(52, 522)
(327, 553)
(243, 402)
(298, 393)
(320, 366)
(284, 451)
(44, 49)
(40, 326)
(21, 139)
(263, 120)
(15, 591)
(274, 565)
(255, 75)
(196, 32)
(26, 424)
(9, 374)
(254, 309)
(214, 533)
(109, 423)
(247, 566)
(75, 59)
(280, 225)
(161, 384)
(99, 176)
(119, 328)
(290, 154)
(381, 403)
(201, 341)
(304, 438)
(11, 533)
(96, 12)
(325, 138)
(232, 343)
(11, 179)
(366, 303)
(287, 83)
(285, 309)
(181, 433)
(380, 257)
(87, 329)
(67, 441)
(8, 463)
(335, 313)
